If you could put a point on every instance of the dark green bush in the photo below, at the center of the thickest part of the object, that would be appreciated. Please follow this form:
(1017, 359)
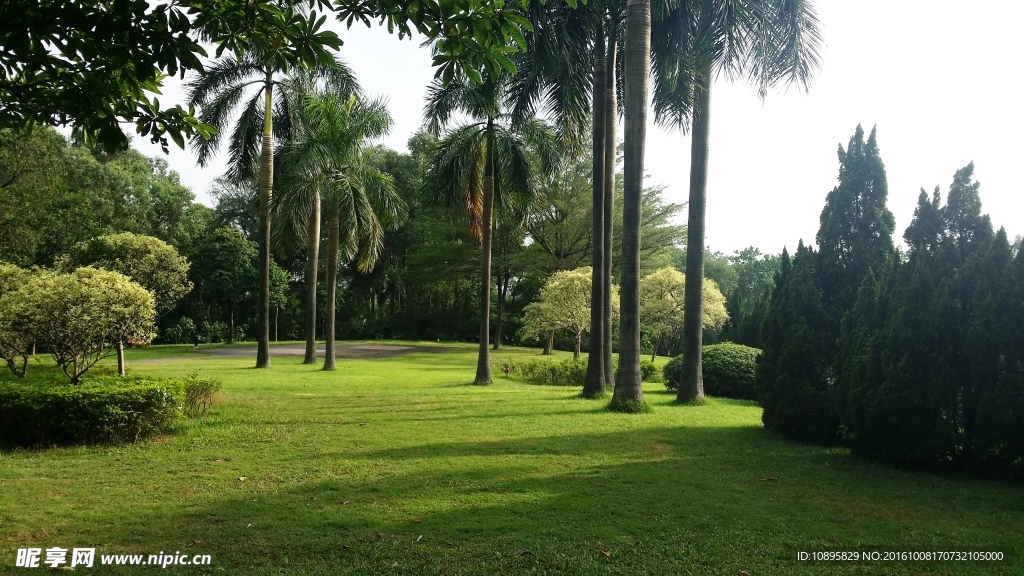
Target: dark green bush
(673, 371)
(728, 371)
(103, 410)
(649, 372)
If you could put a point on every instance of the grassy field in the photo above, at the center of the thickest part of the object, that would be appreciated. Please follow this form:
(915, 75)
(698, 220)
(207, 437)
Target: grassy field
(398, 466)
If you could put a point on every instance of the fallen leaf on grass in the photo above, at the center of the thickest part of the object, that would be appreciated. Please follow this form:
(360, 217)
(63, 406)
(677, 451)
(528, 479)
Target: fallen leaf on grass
(243, 478)
(606, 553)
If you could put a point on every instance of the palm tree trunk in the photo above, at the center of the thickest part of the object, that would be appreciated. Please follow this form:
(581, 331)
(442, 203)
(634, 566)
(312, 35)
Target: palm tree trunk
(502, 293)
(483, 364)
(333, 231)
(691, 387)
(610, 150)
(266, 184)
(595, 383)
(312, 264)
(629, 393)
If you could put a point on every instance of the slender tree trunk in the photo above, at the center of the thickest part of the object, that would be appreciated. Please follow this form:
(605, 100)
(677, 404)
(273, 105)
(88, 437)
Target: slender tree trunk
(549, 344)
(629, 393)
(610, 150)
(277, 312)
(483, 364)
(231, 322)
(266, 185)
(691, 386)
(312, 265)
(576, 345)
(595, 382)
(502, 292)
(333, 232)
(654, 353)
(120, 358)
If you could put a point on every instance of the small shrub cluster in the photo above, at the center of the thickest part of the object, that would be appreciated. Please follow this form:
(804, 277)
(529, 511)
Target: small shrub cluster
(101, 410)
(728, 371)
(545, 372)
(199, 395)
(649, 372)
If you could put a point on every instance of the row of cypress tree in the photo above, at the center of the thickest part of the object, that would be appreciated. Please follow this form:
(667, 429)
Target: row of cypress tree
(911, 357)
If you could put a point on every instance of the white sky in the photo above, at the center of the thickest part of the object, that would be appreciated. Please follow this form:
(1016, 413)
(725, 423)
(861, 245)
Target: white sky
(936, 77)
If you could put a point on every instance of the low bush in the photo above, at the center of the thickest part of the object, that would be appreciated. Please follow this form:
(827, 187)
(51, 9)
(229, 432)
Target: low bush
(728, 371)
(546, 372)
(649, 372)
(672, 371)
(199, 395)
(101, 410)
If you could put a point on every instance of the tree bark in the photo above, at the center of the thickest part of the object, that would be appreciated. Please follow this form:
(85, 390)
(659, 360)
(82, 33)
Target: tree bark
(231, 322)
(595, 382)
(549, 344)
(691, 386)
(576, 346)
(277, 312)
(266, 185)
(502, 293)
(654, 353)
(312, 266)
(120, 357)
(333, 232)
(483, 364)
(629, 393)
(610, 151)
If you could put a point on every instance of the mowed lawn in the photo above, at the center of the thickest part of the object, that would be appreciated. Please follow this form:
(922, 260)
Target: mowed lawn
(398, 466)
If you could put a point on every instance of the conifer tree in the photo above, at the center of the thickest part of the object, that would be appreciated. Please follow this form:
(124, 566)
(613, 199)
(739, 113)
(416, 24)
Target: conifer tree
(856, 226)
(792, 373)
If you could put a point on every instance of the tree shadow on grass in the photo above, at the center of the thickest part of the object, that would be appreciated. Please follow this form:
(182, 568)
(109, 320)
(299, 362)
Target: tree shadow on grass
(669, 500)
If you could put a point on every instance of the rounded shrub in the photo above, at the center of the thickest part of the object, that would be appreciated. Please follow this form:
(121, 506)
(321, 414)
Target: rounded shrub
(728, 371)
(649, 372)
(673, 371)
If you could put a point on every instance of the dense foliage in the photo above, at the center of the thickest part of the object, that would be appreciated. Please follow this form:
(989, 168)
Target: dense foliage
(728, 371)
(101, 410)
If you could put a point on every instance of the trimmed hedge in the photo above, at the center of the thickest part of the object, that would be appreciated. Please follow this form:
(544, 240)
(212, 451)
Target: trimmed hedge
(565, 372)
(728, 371)
(102, 410)
(546, 372)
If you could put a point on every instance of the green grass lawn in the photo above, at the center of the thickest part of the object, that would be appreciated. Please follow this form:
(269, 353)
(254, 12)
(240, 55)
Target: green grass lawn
(398, 466)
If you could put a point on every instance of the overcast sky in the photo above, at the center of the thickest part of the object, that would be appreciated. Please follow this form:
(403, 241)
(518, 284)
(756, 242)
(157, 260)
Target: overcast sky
(935, 77)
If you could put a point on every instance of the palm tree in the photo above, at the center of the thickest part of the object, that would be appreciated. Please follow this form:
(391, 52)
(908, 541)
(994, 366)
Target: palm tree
(327, 162)
(629, 394)
(770, 42)
(218, 94)
(553, 74)
(486, 163)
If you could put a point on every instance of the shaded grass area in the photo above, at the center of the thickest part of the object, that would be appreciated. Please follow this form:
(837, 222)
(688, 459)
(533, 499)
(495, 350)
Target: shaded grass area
(399, 466)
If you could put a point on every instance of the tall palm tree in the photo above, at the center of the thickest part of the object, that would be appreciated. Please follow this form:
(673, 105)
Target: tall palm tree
(770, 42)
(327, 162)
(629, 394)
(482, 164)
(306, 218)
(218, 93)
(552, 74)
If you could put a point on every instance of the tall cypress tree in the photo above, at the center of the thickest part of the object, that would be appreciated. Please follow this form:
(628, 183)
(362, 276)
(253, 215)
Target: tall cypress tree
(856, 227)
(792, 372)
